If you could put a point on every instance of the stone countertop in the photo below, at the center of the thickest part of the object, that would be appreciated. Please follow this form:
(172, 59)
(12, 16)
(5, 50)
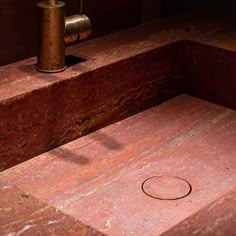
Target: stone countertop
(20, 78)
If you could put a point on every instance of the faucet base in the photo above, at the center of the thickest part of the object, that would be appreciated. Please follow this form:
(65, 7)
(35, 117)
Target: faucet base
(50, 71)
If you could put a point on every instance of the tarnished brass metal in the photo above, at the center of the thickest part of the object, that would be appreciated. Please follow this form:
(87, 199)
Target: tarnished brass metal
(51, 52)
(77, 27)
(51, 2)
(55, 30)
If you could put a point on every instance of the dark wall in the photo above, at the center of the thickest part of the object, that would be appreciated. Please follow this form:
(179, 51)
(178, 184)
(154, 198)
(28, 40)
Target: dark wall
(150, 9)
(170, 7)
(18, 31)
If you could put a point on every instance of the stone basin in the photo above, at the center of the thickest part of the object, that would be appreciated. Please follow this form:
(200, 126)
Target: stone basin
(57, 110)
(123, 75)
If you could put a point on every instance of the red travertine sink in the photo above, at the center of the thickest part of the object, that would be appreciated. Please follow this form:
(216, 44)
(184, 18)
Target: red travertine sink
(102, 179)
(98, 179)
(51, 110)
(124, 73)
(72, 108)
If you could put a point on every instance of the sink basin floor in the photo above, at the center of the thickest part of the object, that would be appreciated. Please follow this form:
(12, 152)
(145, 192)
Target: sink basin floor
(98, 179)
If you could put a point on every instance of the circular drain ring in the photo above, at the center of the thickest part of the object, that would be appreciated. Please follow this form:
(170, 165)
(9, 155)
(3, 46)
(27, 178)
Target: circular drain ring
(172, 198)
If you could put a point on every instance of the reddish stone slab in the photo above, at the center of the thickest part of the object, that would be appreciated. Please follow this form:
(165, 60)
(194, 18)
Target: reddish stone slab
(219, 218)
(66, 109)
(124, 74)
(210, 73)
(22, 214)
(98, 179)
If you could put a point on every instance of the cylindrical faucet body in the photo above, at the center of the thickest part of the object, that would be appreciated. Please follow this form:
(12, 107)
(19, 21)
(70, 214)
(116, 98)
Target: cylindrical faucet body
(51, 2)
(55, 31)
(51, 51)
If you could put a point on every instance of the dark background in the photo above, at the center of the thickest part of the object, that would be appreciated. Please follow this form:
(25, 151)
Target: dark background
(170, 7)
(18, 29)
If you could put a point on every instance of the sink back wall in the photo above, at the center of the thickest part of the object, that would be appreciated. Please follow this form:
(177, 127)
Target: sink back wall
(18, 31)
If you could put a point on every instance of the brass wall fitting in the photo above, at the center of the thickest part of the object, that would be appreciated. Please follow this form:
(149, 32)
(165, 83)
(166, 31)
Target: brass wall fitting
(55, 31)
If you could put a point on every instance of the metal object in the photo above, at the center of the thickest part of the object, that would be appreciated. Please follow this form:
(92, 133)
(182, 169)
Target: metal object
(55, 32)
(77, 27)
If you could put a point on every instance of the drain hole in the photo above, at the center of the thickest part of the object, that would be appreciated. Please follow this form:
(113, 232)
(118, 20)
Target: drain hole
(73, 60)
(166, 187)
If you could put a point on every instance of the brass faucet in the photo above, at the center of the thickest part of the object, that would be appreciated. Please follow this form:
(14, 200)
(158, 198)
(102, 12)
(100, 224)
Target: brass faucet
(56, 31)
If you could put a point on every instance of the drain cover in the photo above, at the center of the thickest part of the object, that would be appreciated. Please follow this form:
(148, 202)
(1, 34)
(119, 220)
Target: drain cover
(166, 187)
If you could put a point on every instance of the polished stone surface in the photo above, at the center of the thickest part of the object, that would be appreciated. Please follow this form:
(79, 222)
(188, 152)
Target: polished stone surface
(218, 218)
(72, 105)
(22, 214)
(98, 179)
(144, 66)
